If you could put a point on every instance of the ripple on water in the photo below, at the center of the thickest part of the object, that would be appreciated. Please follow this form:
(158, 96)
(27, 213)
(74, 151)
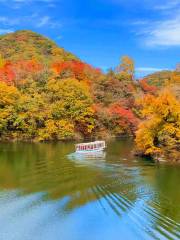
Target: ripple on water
(49, 190)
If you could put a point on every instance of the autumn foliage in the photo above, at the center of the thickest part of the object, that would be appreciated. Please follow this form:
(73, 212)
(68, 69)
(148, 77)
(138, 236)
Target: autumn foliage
(146, 87)
(159, 133)
(7, 73)
(47, 93)
(123, 117)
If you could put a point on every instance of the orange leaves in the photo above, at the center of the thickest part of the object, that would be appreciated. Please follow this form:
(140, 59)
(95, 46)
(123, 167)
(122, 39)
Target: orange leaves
(10, 72)
(160, 131)
(29, 65)
(146, 87)
(76, 68)
(163, 105)
(122, 112)
(59, 67)
(123, 116)
(7, 74)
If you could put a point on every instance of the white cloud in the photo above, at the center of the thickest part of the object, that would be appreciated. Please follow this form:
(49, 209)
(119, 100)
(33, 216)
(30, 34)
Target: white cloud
(144, 71)
(27, 1)
(17, 4)
(5, 31)
(59, 37)
(163, 30)
(168, 5)
(9, 21)
(43, 21)
(164, 33)
(47, 21)
(34, 20)
(149, 69)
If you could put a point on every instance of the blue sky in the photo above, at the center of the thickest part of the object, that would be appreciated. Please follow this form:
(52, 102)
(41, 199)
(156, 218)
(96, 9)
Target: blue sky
(101, 31)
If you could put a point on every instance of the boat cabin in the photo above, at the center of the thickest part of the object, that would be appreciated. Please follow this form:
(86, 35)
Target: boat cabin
(91, 146)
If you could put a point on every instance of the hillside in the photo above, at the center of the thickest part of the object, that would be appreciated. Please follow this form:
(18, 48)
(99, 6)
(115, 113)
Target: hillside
(27, 45)
(159, 79)
(46, 93)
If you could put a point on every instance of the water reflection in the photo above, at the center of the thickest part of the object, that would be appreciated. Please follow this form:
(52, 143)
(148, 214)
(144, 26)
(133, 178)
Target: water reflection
(48, 193)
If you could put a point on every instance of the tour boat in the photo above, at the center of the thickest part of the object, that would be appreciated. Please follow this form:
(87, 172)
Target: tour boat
(96, 146)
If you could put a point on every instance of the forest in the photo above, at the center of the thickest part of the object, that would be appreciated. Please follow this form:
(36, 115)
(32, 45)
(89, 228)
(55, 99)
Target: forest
(49, 94)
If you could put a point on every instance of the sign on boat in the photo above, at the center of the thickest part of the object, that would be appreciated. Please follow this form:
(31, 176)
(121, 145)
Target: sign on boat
(96, 146)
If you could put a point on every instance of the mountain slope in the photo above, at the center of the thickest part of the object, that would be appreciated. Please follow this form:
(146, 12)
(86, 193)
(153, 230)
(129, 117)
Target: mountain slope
(28, 45)
(159, 79)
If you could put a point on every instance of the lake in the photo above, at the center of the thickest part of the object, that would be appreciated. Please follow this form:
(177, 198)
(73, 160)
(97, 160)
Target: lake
(49, 193)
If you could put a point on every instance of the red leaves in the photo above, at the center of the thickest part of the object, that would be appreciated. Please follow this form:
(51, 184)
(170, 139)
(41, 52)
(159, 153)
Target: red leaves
(124, 117)
(31, 66)
(60, 66)
(76, 68)
(7, 74)
(146, 87)
(10, 72)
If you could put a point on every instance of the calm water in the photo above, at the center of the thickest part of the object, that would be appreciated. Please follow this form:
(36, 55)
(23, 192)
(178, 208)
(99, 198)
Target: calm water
(48, 193)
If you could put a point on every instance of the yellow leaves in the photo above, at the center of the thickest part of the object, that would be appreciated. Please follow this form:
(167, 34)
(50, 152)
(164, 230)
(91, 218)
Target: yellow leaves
(56, 130)
(2, 61)
(175, 78)
(71, 100)
(57, 51)
(161, 129)
(8, 94)
(164, 105)
(146, 135)
(169, 128)
(127, 65)
(68, 87)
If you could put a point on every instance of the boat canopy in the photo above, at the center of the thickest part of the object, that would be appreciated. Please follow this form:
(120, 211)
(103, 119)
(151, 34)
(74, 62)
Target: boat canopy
(97, 143)
(91, 146)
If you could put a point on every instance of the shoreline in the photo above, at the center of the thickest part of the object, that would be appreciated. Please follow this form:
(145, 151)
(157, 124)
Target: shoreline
(162, 159)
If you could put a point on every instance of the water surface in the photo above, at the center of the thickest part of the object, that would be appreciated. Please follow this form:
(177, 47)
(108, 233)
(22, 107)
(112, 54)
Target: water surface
(48, 193)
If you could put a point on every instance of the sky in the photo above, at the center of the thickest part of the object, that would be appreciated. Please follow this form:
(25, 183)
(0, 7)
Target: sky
(101, 31)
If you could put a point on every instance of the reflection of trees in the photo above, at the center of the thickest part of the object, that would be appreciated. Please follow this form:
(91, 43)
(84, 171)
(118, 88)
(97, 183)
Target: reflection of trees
(145, 192)
(45, 168)
(161, 203)
(167, 182)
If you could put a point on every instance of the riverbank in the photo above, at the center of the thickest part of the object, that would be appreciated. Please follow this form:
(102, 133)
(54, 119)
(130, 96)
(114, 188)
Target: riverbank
(171, 157)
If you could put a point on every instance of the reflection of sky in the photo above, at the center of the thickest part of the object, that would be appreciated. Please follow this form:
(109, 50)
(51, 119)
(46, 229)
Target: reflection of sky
(96, 159)
(44, 221)
(112, 217)
(115, 196)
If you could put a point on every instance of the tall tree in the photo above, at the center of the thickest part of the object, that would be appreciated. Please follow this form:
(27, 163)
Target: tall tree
(126, 66)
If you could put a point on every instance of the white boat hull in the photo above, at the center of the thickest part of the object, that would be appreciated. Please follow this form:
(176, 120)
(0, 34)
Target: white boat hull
(90, 151)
